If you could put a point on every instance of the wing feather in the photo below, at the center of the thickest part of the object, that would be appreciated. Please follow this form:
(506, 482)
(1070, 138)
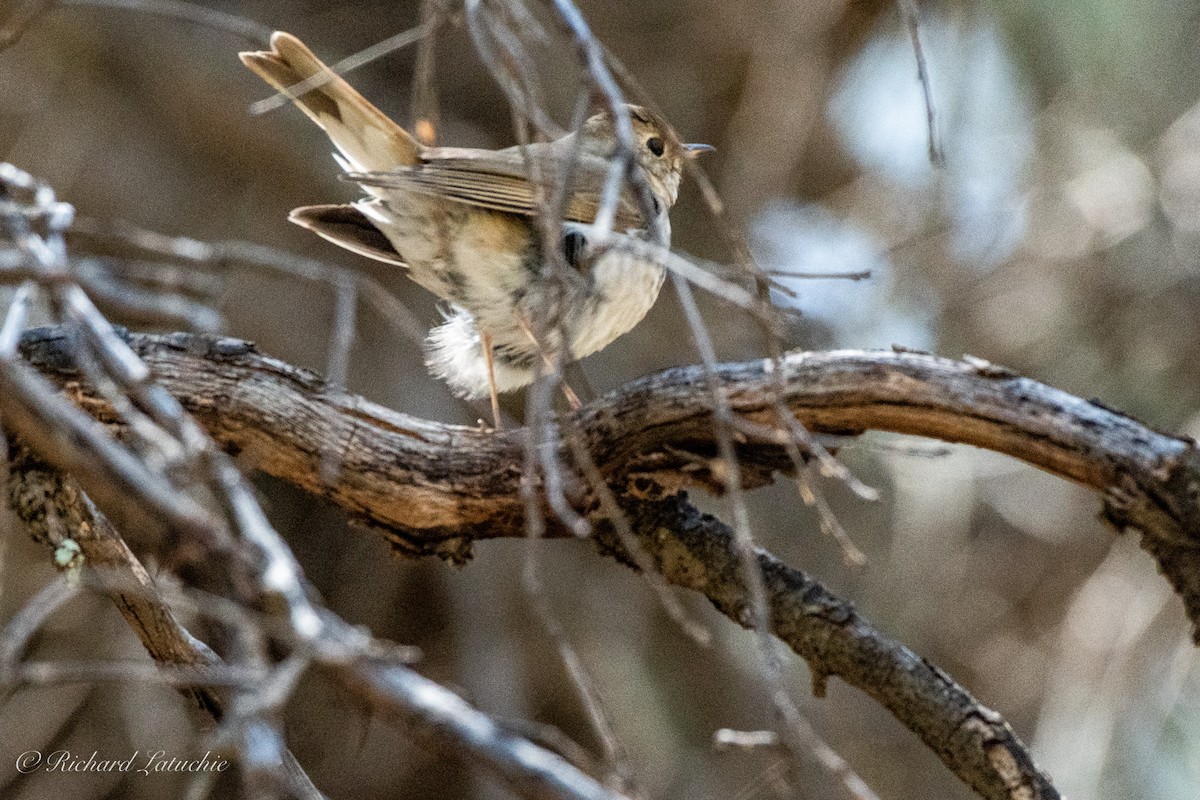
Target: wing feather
(500, 180)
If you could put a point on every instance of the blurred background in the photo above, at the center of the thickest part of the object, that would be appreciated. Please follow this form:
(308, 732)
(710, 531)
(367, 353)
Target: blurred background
(1061, 238)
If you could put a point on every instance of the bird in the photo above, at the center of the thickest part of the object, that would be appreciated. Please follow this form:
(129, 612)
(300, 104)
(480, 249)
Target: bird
(464, 223)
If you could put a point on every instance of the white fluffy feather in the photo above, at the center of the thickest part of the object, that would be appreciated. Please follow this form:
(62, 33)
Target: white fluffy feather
(454, 353)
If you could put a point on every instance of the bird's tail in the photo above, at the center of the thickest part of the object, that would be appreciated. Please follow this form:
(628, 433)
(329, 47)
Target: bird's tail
(367, 139)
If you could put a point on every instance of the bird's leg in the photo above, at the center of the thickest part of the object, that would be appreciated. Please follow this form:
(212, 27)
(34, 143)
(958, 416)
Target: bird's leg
(491, 368)
(572, 398)
(569, 393)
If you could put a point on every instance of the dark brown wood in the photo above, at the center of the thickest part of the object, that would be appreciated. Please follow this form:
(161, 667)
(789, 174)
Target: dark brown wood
(433, 488)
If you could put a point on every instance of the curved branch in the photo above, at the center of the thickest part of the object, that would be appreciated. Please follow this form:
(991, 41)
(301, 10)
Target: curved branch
(434, 488)
(697, 551)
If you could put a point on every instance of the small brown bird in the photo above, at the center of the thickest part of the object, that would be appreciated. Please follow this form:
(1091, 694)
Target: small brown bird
(463, 222)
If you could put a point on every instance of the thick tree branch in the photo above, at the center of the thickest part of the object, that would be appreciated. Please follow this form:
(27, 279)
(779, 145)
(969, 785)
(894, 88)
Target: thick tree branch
(434, 488)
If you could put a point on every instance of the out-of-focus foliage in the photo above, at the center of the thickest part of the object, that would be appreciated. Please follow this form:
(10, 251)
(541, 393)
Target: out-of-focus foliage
(1061, 238)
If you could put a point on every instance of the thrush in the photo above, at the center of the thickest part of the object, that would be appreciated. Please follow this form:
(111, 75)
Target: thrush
(463, 222)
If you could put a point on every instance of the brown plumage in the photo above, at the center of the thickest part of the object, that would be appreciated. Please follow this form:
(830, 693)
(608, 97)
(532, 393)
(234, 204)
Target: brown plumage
(461, 220)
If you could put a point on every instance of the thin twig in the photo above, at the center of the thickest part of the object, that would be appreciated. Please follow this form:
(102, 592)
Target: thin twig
(908, 13)
(365, 56)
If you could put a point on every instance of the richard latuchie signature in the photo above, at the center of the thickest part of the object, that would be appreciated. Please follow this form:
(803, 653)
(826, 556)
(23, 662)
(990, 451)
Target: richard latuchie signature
(139, 762)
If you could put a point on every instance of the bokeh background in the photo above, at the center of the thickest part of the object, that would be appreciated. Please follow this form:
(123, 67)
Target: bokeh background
(1061, 239)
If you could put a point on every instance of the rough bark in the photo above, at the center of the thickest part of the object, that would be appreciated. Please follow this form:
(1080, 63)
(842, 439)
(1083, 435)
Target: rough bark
(435, 488)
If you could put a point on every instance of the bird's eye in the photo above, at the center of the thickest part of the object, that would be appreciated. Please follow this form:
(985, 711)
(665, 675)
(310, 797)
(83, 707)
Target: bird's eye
(655, 145)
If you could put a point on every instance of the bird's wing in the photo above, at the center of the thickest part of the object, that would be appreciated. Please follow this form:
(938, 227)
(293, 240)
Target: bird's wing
(500, 180)
(363, 133)
(349, 226)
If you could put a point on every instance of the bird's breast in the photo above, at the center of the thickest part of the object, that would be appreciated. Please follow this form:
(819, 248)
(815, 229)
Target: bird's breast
(624, 288)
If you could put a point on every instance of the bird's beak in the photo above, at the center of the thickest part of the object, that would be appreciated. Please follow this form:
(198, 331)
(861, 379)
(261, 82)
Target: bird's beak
(694, 150)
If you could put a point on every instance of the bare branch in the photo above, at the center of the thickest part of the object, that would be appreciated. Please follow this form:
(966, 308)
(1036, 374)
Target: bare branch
(433, 488)
(908, 13)
(697, 551)
(278, 416)
(437, 714)
(39, 494)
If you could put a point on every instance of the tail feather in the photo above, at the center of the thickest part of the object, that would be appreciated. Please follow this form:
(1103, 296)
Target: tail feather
(361, 132)
(351, 227)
